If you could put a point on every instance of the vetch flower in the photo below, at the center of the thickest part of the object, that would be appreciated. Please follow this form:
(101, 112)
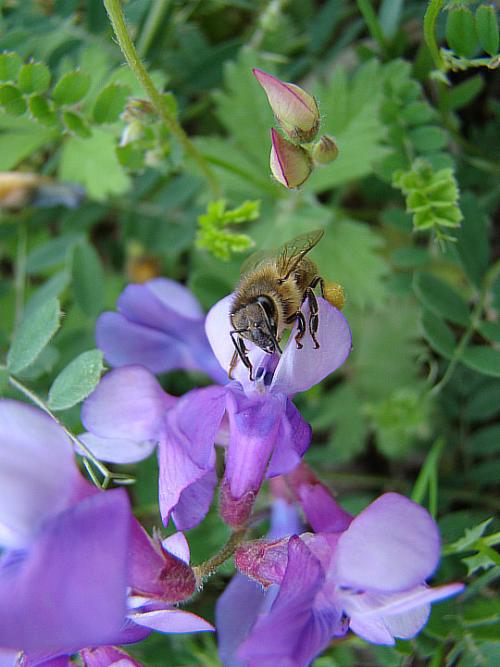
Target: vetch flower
(256, 420)
(296, 111)
(367, 574)
(159, 325)
(75, 558)
(290, 164)
(107, 656)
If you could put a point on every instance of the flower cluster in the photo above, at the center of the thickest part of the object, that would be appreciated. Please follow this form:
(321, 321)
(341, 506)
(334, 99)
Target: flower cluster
(294, 158)
(79, 574)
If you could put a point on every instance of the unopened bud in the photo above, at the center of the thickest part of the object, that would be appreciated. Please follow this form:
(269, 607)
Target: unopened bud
(290, 164)
(235, 511)
(295, 110)
(325, 150)
(262, 560)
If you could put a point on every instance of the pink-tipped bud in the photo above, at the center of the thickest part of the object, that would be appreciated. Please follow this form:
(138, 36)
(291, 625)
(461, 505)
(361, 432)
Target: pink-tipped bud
(295, 110)
(235, 511)
(325, 150)
(290, 164)
(263, 561)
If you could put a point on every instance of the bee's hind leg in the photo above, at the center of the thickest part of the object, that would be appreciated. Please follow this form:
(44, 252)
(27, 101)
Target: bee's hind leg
(313, 310)
(301, 326)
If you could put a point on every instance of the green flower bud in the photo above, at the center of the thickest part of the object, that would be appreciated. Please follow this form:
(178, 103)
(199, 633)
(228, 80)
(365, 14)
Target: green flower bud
(325, 150)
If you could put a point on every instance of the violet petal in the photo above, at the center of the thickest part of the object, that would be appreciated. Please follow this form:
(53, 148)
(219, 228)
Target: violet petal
(117, 450)
(294, 437)
(172, 621)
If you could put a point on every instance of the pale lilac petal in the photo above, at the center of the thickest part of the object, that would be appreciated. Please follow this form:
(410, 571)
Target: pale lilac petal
(298, 370)
(69, 589)
(254, 424)
(392, 545)
(194, 501)
(172, 621)
(285, 519)
(152, 302)
(8, 657)
(218, 325)
(177, 545)
(124, 343)
(106, 656)
(294, 437)
(235, 613)
(117, 450)
(293, 632)
(38, 474)
(374, 630)
(128, 403)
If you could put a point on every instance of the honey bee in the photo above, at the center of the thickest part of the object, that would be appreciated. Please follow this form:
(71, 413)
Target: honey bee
(272, 288)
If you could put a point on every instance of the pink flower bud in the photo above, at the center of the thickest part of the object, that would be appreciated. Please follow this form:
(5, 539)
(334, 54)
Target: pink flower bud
(325, 150)
(290, 164)
(295, 110)
(263, 561)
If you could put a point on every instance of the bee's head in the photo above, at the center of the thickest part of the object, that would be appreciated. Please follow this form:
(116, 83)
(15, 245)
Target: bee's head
(257, 322)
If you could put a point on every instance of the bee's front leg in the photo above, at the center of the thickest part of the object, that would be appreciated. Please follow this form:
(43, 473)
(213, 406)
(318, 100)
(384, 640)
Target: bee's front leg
(241, 353)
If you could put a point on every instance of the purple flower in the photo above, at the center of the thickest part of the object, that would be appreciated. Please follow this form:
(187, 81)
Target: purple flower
(263, 431)
(368, 575)
(107, 656)
(161, 326)
(75, 557)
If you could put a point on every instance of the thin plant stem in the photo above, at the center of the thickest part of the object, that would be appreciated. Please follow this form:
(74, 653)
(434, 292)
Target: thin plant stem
(265, 18)
(20, 275)
(206, 569)
(108, 476)
(114, 9)
(430, 18)
(156, 14)
(475, 319)
(365, 7)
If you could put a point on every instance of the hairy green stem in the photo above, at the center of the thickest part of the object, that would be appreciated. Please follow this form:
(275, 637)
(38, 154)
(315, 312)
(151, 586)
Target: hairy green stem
(206, 569)
(475, 319)
(114, 9)
(430, 18)
(108, 476)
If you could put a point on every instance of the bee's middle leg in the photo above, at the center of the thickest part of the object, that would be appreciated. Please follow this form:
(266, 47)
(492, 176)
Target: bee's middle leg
(301, 326)
(313, 311)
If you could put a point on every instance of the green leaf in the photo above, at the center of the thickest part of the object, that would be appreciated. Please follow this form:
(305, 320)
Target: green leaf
(76, 125)
(487, 28)
(71, 88)
(88, 279)
(93, 163)
(34, 78)
(76, 381)
(33, 334)
(490, 330)
(12, 100)
(428, 138)
(485, 402)
(19, 138)
(460, 31)
(10, 64)
(110, 103)
(440, 298)
(472, 239)
(50, 289)
(438, 334)
(460, 95)
(363, 278)
(483, 359)
(213, 233)
(4, 381)
(53, 252)
(485, 441)
(41, 110)
(471, 536)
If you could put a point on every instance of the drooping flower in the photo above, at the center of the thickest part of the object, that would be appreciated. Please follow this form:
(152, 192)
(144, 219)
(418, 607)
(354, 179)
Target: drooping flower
(159, 325)
(290, 164)
(75, 558)
(367, 574)
(295, 110)
(262, 429)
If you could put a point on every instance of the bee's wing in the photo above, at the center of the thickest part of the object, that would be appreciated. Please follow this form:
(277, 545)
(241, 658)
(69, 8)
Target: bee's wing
(256, 259)
(292, 252)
